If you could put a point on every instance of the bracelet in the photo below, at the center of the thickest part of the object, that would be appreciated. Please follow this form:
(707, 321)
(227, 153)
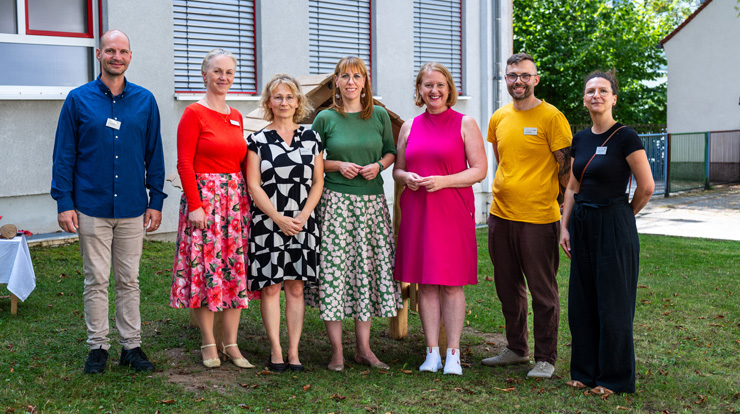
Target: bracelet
(381, 165)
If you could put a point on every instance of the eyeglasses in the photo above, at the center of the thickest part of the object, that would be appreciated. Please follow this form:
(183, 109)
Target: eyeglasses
(603, 92)
(356, 77)
(280, 99)
(525, 77)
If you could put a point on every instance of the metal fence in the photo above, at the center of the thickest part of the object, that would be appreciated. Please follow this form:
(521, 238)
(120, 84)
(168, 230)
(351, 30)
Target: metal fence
(655, 147)
(724, 157)
(693, 160)
(702, 159)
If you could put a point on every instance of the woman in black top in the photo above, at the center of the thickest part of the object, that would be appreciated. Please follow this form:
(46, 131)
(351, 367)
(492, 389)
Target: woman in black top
(599, 235)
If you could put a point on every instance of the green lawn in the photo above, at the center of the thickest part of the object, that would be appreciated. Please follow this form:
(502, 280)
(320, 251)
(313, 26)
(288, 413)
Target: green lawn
(687, 340)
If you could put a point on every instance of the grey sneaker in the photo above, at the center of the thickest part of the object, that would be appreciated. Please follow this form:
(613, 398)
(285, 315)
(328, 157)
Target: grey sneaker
(507, 357)
(542, 369)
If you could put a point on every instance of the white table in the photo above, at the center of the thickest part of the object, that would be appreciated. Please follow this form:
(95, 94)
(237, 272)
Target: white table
(16, 270)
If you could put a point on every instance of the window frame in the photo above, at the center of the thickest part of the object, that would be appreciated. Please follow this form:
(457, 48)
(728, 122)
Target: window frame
(36, 92)
(195, 94)
(90, 28)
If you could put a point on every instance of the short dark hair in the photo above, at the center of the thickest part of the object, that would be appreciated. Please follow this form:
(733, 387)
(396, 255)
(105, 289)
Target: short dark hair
(611, 76)
(520, 57)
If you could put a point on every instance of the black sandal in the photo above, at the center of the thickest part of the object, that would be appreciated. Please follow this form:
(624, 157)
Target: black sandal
(296, 367)
(279, 367)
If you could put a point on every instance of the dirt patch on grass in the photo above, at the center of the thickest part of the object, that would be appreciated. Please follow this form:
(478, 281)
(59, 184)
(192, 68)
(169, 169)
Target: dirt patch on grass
(183, 366)
(185, 369)
(483, 344)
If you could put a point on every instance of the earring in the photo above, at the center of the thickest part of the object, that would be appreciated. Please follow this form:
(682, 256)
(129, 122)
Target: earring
(362, 95)
(338, 96)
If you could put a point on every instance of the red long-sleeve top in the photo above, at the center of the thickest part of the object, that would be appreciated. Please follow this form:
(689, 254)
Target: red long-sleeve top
(208, 142)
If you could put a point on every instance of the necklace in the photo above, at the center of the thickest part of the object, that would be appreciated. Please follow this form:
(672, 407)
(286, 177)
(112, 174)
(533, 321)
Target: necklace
(224, 116)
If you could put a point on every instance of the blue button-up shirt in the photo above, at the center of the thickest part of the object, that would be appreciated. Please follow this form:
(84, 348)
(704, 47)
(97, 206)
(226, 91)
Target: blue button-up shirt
(102, 171)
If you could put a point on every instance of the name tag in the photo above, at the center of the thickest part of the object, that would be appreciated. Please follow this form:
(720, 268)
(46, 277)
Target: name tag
(112, 123)
(305, 151)
(600, 150)
(234, 122)
(530, 131)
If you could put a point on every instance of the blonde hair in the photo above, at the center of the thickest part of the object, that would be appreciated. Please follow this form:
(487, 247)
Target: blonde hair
(210, 55)
(303, 108)
(353, 63)
(437, 67)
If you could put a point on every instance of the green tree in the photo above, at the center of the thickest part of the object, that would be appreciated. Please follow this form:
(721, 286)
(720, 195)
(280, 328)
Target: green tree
(569, 39)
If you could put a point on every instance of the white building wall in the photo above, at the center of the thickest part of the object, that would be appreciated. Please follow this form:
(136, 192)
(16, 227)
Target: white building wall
(27, 134)
(703, 57)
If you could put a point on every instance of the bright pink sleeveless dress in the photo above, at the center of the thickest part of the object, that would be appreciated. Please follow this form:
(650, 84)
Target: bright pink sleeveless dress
(436, 240)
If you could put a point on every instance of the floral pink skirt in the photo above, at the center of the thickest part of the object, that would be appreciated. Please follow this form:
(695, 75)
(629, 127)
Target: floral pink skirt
(210, 264)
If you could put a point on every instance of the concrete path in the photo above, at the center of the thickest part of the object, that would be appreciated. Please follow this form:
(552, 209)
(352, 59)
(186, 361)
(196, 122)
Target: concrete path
(713, 214)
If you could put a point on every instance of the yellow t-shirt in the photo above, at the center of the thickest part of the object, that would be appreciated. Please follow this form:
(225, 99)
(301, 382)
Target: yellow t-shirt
(525, 187)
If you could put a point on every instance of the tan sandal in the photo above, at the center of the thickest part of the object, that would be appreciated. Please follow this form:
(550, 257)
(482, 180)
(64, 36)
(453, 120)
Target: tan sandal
(239, 362)
(213, 362)
(599, 390)
(576, 384)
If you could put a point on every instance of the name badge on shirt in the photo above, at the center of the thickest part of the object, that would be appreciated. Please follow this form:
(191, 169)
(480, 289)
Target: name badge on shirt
(234, 122)
(112, 123)
(305, 151)
(600, 150)
(530, 131)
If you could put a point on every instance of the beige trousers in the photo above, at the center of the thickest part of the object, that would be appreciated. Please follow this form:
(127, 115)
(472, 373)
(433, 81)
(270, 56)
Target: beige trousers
(121, 239)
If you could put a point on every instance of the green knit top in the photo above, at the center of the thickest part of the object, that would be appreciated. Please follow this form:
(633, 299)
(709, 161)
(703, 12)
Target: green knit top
(353, 139)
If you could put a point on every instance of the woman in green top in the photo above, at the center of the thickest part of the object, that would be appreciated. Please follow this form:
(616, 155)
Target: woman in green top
(357, 250)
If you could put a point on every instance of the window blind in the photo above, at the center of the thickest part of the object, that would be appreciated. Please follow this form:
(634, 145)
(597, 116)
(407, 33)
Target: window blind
(204, 25)
(338, 28)
(438, 35)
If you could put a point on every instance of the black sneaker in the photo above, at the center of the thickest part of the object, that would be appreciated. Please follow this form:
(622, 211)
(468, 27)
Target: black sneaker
(136, 358)
(96, 360)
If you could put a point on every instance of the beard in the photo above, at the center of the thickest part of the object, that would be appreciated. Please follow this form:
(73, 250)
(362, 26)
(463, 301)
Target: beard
(528, 90)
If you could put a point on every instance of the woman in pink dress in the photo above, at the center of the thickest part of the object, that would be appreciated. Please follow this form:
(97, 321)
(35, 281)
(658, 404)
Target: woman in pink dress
(440, 156)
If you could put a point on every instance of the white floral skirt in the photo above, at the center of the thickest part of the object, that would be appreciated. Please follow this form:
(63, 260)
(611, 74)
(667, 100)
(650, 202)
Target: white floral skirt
(357, 255)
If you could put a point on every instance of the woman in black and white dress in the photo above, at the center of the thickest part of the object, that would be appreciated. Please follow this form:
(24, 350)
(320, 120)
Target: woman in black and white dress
(285, 176)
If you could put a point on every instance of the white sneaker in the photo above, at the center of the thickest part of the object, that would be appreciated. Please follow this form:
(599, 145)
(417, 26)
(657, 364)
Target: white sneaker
(542, 369)
(506, 357)
(452, 362)
(433, 361)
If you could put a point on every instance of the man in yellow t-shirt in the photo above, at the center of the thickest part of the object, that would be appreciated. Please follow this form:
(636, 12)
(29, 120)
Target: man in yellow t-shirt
(531, 141)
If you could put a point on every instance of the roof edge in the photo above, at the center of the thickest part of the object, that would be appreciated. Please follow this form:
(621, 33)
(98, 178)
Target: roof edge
(685, 22)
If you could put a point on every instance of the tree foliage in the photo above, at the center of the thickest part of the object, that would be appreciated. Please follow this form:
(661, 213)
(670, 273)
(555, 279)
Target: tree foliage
(569, 39)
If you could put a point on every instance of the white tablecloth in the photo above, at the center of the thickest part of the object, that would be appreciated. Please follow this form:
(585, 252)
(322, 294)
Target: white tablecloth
(16, 268)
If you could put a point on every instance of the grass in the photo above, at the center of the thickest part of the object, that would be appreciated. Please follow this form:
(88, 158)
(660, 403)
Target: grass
(687, 338)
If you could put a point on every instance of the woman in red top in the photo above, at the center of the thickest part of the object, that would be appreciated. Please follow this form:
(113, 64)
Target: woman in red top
(210, 266)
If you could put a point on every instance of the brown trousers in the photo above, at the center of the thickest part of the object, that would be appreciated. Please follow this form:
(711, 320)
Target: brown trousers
(526, 255)
(121, 239)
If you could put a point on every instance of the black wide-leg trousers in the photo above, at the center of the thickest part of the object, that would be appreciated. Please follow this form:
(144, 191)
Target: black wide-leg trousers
(603, 288)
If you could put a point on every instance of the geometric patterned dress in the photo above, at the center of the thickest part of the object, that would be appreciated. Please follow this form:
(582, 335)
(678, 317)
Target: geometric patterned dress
(287, 176)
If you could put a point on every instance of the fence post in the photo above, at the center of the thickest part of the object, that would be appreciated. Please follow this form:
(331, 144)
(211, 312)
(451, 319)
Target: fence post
(707, 153)
(668, 166)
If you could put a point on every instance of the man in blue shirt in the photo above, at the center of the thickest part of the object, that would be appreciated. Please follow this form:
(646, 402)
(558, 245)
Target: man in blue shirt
(107, 154)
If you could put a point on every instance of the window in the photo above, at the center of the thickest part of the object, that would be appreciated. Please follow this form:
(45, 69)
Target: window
(8, 17)
(203, 25)
(338, 28)
(59, 18)
(47, 47)
(438, 35)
